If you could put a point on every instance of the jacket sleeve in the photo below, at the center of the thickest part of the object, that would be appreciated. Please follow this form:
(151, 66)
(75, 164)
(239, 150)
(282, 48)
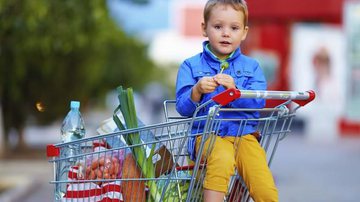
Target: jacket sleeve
(184, 83)
(256, 82)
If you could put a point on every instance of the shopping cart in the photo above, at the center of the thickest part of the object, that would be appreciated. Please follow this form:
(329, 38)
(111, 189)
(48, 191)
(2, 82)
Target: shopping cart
(166, 173)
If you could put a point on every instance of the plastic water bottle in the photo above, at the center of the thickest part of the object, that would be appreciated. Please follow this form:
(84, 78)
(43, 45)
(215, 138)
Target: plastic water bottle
(73, 128)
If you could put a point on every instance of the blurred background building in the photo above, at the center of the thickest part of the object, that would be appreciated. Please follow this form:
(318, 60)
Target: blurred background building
(300, 44)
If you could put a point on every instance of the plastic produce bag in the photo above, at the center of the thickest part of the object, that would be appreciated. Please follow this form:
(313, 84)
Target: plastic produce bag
(102, 167)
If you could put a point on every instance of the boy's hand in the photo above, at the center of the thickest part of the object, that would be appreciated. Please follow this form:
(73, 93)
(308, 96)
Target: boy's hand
(225, 80)
(204, 85)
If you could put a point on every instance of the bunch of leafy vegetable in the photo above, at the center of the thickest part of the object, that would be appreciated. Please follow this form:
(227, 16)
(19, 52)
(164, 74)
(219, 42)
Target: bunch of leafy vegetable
(174, 190)
(127, 108)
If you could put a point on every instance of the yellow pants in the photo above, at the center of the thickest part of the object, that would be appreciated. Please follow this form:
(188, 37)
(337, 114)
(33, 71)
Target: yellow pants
(248, 156)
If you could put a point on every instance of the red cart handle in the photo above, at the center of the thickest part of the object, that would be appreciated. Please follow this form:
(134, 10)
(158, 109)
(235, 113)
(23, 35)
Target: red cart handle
(52, 151)
(229, 95)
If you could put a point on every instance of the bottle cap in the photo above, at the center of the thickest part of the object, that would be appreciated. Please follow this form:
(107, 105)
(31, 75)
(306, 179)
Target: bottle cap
(75, 104)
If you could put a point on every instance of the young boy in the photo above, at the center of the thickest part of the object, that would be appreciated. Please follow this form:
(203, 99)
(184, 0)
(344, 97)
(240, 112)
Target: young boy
(220, 66)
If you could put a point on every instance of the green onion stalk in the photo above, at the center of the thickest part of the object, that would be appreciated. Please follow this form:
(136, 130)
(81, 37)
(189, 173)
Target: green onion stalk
(127, 108)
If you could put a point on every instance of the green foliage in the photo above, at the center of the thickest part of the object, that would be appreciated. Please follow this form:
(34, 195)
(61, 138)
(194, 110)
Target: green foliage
(56, 51)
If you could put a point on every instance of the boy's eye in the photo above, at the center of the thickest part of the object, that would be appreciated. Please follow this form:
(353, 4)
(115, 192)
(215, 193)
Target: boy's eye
(217, 27)
(235, 28)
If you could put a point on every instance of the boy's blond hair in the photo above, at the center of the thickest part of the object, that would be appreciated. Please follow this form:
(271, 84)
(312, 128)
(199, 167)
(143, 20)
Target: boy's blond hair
(239, 5)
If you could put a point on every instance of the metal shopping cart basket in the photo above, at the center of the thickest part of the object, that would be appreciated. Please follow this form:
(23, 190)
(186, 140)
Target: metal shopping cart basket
(100, 172)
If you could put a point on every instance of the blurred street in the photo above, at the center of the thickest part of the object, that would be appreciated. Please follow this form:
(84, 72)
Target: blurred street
(315, 171)
(303, 170)
(28, 180)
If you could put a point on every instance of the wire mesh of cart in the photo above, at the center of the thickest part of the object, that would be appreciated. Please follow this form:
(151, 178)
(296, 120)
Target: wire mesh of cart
(106, 169)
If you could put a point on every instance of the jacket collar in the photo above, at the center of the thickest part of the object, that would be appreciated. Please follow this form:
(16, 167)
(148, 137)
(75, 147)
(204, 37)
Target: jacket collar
(213, 61)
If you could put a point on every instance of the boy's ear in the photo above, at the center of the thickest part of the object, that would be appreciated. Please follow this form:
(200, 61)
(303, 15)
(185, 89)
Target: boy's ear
(203, 28)
(246, 31)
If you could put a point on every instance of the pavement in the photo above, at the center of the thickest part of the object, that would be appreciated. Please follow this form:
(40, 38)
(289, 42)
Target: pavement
(318, 171)
(304, 170)
(26, 180)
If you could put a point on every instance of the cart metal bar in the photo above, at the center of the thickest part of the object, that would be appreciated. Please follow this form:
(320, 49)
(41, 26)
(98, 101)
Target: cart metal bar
(300, 97)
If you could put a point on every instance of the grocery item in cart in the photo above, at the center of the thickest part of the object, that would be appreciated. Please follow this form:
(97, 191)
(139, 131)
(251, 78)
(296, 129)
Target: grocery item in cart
(95, 177)
(88, 191)
(138, 150)
(162, 154)
(72, 128)
(132, 190)
(109, 126)
(103, 164)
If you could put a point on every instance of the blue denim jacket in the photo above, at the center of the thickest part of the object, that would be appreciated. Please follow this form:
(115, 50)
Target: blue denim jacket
(247, 75)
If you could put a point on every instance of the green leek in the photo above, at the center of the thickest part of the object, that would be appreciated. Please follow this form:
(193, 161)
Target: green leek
(127, 108)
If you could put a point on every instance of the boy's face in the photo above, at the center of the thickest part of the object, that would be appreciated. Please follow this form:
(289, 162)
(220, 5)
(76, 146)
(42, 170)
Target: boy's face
(225, 30)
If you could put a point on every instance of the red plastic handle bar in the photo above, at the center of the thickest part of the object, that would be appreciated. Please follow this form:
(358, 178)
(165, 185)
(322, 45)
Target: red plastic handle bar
(226, 96)
(52, 151)
(229, 95)
(304, 102)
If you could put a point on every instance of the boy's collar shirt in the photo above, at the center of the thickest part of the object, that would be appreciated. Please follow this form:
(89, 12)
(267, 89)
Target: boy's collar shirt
(213, 61)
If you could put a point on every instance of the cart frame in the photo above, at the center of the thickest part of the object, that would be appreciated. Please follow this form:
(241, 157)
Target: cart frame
(174, 173)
